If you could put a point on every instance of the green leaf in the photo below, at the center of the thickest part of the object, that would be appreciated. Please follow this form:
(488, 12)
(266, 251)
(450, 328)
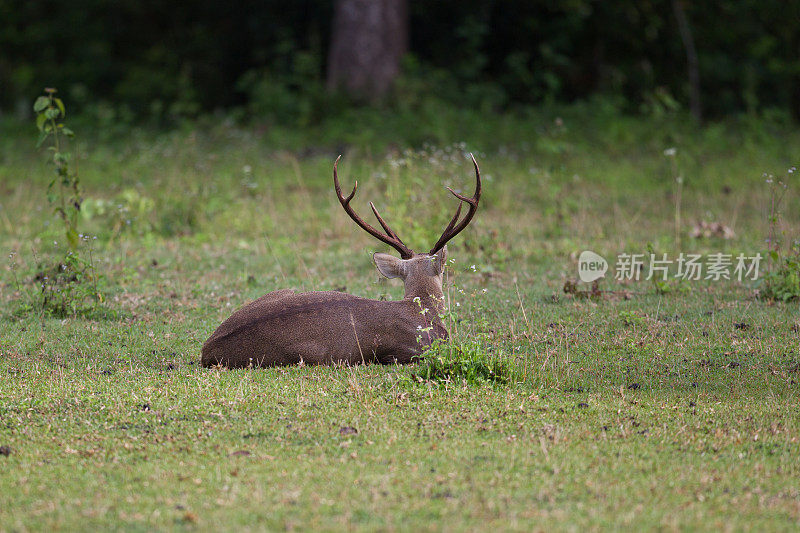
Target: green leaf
(72, 238)
(52, 113)
(60, 105)
(40, 120)
(42, 137)
(66, 131)
(41, 104)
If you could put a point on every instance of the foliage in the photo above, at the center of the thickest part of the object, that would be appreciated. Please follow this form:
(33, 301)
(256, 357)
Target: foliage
(629, 318)
(467, 362)
(63, 192)
(129, 211)
(67, 289)
(782, 282)
(67, 284)
(171, 61)
(295, 98)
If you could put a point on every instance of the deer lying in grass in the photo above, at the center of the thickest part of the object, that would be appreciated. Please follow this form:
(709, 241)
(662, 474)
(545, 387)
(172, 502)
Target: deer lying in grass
(284, 327)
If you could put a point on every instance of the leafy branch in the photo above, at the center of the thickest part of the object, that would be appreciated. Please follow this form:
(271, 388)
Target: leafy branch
(63, 192)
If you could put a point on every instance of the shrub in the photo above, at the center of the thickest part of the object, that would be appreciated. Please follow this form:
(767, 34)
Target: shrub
(68, 285)
(782, 283)
(468, 362)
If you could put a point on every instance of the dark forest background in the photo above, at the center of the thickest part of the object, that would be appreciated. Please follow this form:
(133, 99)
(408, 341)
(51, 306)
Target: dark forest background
(288, 61)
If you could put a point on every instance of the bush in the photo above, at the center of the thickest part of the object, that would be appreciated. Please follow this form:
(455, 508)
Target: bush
(468, 363)
(783, 282)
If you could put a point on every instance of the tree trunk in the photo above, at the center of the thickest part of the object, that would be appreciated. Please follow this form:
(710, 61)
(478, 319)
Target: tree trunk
(369, 37)
(691, 59)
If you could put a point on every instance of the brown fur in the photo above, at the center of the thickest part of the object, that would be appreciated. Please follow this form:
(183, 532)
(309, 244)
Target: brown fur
(285, 327)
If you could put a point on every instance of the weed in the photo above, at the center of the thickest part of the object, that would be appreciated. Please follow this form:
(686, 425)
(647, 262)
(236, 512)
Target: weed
(67, 284)
(777, 192)
(671, 154)
(466, 362)
(660, 286)
(629, 318)
(782, 280)
(68, 288)
(64, 191)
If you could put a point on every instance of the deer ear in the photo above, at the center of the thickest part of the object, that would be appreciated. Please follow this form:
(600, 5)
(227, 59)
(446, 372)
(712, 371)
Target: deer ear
(388, 265)
(440, 260)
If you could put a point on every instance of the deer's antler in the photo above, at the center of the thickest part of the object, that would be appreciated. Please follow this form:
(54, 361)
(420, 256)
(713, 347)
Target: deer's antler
(455, 227)
(390, 237)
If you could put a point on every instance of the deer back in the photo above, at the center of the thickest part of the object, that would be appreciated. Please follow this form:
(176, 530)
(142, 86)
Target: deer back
(284, 328)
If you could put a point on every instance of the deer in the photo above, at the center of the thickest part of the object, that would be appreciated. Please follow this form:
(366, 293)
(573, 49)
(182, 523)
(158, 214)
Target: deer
(285, 327)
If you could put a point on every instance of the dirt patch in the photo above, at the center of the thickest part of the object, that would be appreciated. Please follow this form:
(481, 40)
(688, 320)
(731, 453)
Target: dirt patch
(594, 292)
(239, 453)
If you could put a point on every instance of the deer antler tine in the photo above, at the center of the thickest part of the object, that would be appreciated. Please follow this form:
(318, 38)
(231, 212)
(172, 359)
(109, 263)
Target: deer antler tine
(454, 219)
(460, 197)
(389, 238)
(355, 186)
(336, 185)
(452, 228)
(383, 223)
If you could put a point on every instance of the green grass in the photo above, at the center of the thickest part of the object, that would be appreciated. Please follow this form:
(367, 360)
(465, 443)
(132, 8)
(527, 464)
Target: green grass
(631, 410)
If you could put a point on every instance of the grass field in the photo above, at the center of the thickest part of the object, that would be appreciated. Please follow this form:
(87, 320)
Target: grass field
(673, 407)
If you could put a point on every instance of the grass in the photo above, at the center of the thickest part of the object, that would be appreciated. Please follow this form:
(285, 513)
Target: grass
(631, 409)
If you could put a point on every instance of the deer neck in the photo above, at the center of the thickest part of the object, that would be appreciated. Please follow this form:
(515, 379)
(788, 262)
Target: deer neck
(430, 295)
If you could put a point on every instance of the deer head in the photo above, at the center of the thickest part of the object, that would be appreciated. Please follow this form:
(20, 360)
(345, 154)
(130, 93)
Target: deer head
(421, 273)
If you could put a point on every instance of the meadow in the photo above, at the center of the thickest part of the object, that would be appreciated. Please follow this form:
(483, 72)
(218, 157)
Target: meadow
(635, 404)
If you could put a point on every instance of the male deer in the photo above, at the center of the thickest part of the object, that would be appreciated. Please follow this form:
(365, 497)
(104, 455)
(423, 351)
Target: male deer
(284, 327)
